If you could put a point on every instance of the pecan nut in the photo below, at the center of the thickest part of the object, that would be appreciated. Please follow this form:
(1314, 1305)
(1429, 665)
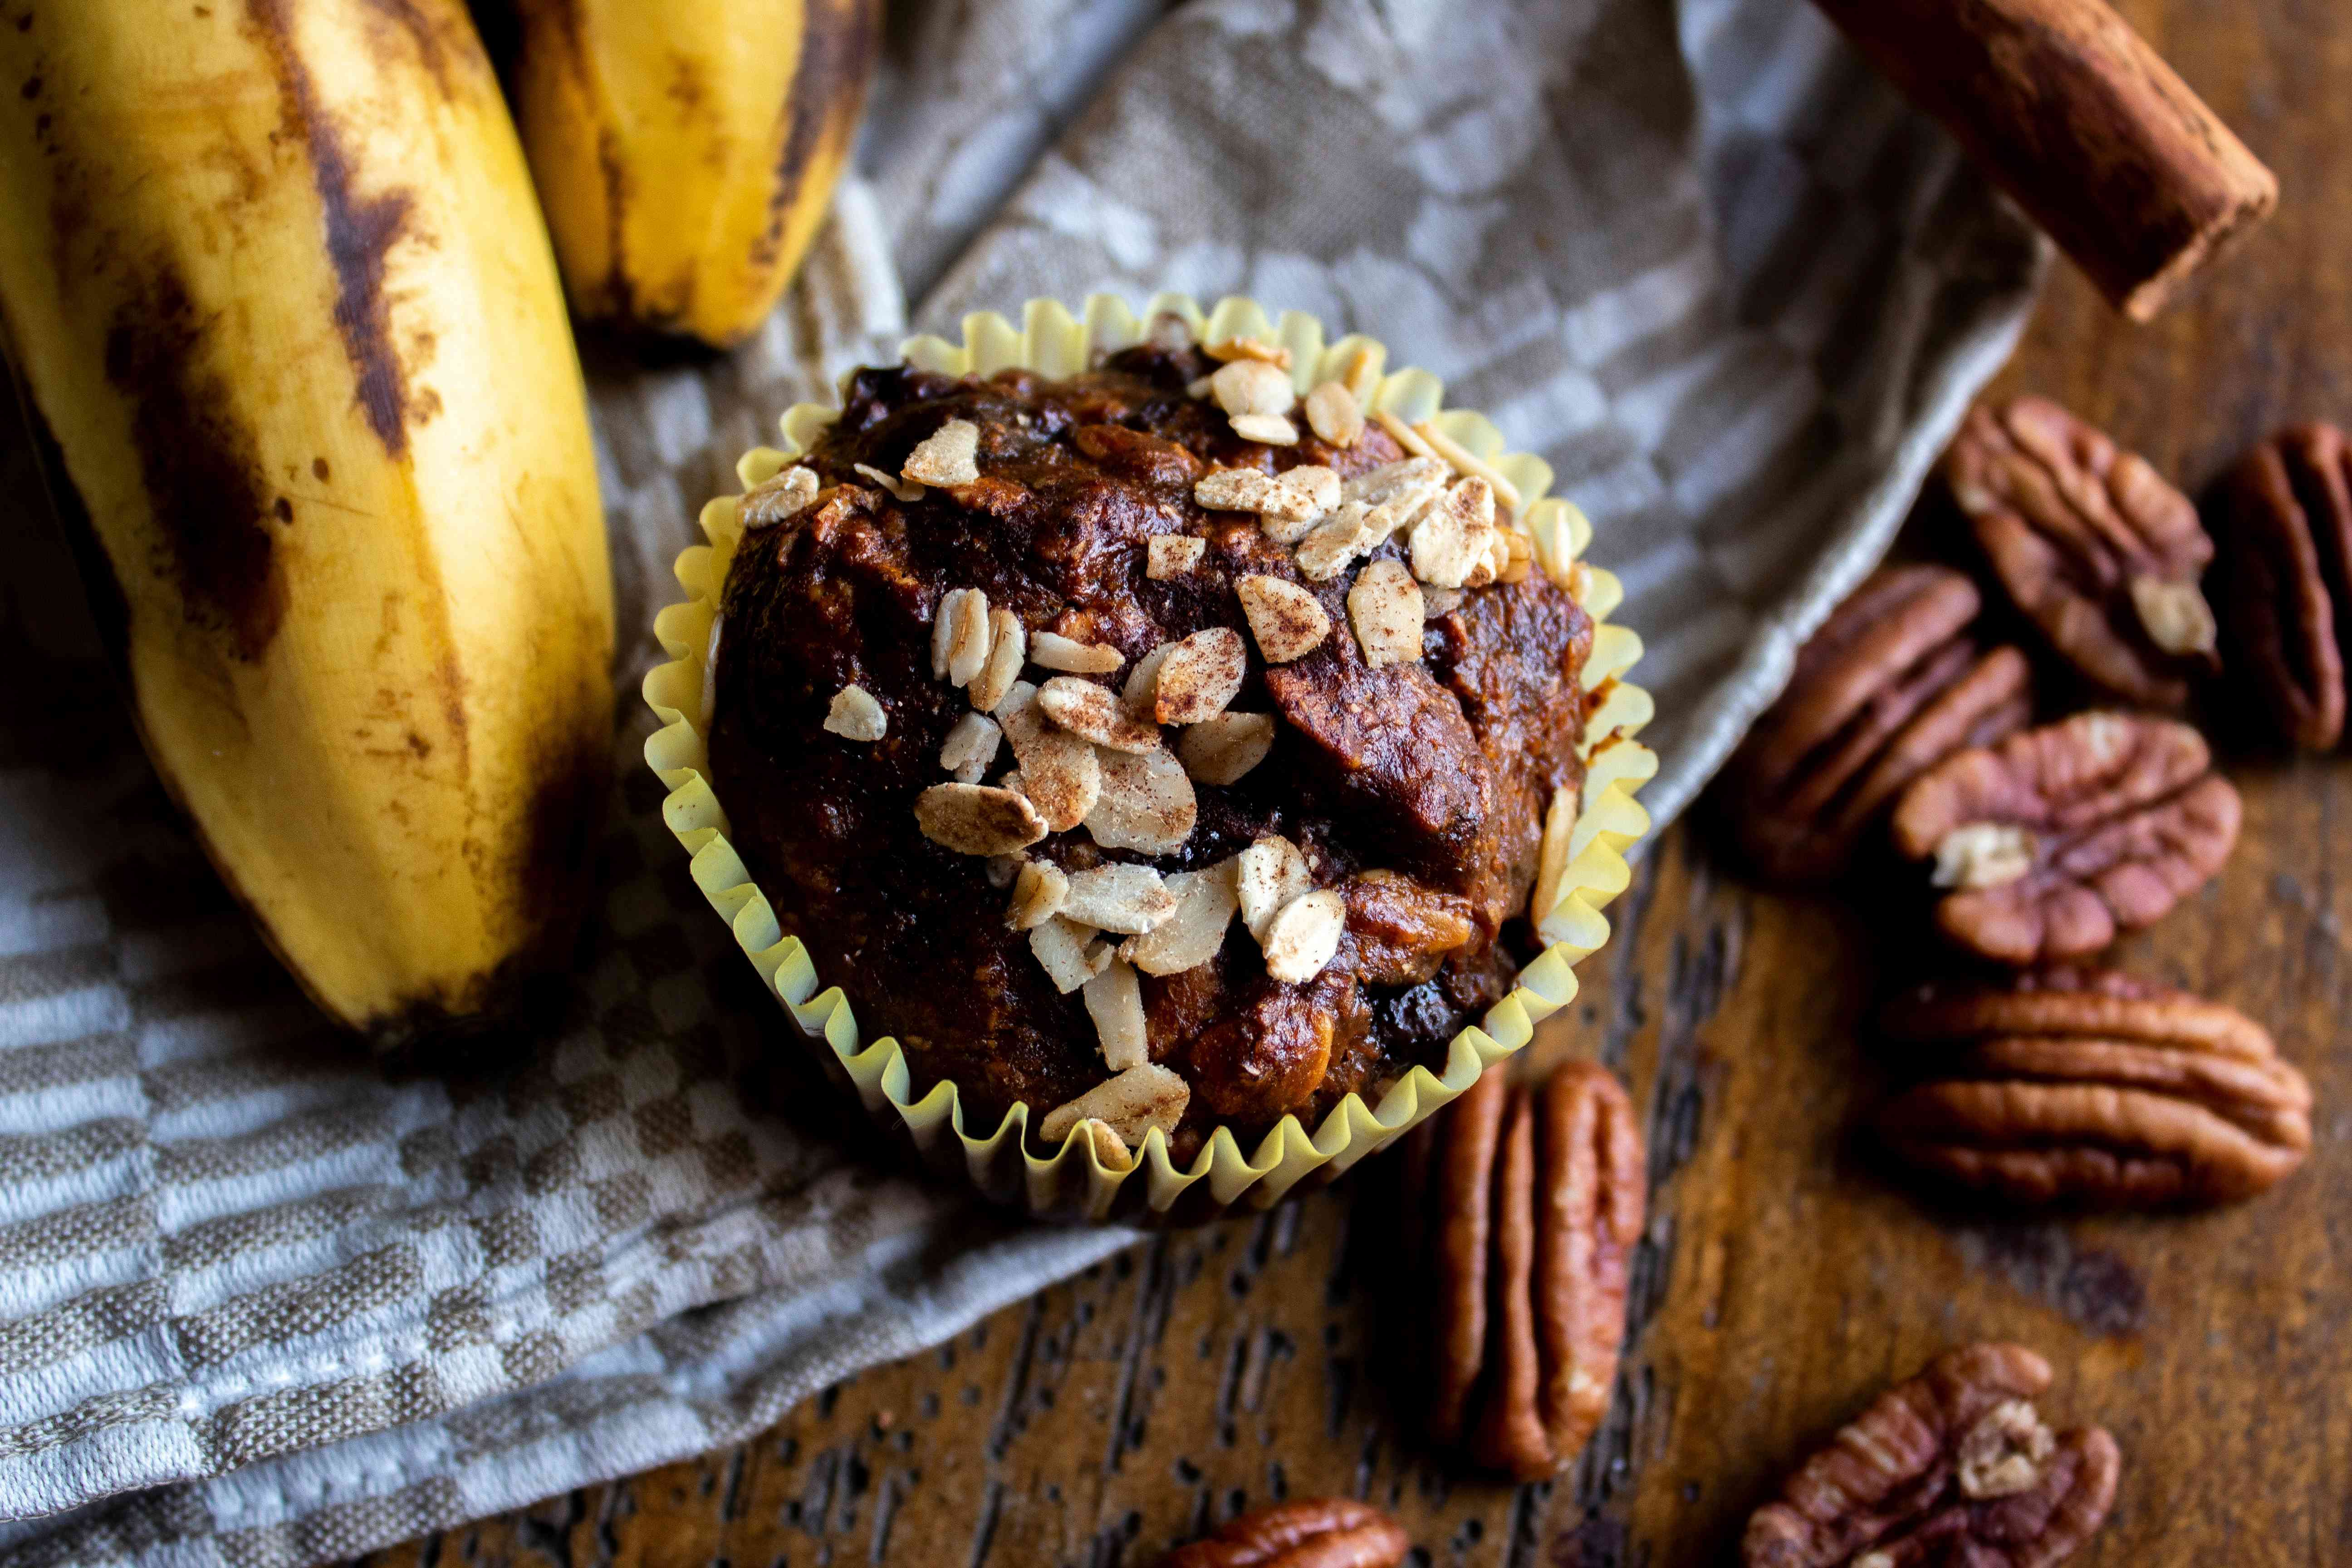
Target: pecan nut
(2091, 1087)
(1889, 685)
(2060, 837)
(1313, 1532)
(2286, 577)
(1955, 1466)
(2094, 546)
(1538, 1195)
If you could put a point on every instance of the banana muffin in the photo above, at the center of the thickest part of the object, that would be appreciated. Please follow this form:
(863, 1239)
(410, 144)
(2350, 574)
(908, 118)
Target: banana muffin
(1155, 747)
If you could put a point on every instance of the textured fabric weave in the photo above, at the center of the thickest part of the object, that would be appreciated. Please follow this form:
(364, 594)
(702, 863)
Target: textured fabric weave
(261, 1305)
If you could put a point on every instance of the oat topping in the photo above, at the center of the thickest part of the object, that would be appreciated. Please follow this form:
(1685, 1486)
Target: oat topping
(1450, 542)
(1332, 414)
(1463, 461)
(785, 496)
(1129, 900)
(1552, 856)
(1115, 1001)
(1061, 774)
(1145, 803)
(947, 622)
(1221, 749)
(1038, 893)
(1168, 556)
(947, 456)
(975, 819)
(1200, 675)
(1401, 488)
(1300, 940)
(1245, 386)
(1267, 430)
(1302, 494)
(1142, 691)
(1071, 954)
(1053, 651)
(1361, 375)
(1206, 902)
(1232, 489)
(1003, 870)
(854, 715)
(1337, 541)
(971, 747)
(1130, 1105)
(1095, 713)
(1256, 349)
(1405, 435)
(907, 490)
(1270, 874)
(1284, 617)
(1008, 650)
(1518, 555)
(963, 618)
(1384, 606)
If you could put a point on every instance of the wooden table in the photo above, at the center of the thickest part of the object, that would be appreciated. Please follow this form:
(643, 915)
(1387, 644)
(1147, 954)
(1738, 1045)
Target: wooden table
(1783, 1282)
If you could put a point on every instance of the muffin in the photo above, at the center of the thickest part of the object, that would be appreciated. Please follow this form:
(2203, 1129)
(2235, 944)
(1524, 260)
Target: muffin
(1150, 746)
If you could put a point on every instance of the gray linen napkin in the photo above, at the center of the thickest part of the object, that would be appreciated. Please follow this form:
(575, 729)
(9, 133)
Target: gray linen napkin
(261, 1305)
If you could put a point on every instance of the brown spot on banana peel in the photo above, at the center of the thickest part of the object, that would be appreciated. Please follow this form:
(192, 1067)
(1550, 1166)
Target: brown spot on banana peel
(361, 233)
(838, 45)
(200, 466)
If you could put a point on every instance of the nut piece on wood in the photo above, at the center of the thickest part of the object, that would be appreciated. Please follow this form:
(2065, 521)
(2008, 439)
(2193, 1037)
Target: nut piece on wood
(1537, 1193)
(2092, 1087)
(2285, 578)
(1955, 1466)
(2063, 837)
(2094, 545)
(1890, 685)
(1312, 1532)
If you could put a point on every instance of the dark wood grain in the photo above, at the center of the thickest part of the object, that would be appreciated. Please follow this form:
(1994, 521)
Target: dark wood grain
(1782, 1281)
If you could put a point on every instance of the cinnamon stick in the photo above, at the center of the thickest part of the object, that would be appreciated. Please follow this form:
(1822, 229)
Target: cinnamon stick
(2083, 124)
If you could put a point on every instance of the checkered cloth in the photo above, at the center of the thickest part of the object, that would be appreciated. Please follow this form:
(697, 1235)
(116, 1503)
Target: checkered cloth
(262, 1305)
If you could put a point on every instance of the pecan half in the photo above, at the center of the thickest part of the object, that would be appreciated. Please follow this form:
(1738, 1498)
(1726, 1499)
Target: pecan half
(1889, 685)
(2060, 837)
(1953, 1466)
(1313, 1532)
(2286, 578)
(2096, 549)
(2091, 1087)
(1537, 1203)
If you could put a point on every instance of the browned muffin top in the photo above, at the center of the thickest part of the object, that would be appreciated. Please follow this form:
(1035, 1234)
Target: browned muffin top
(1062, 773)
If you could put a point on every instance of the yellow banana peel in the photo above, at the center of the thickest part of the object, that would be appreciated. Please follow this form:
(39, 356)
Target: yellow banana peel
(686, 151)
(273, 281)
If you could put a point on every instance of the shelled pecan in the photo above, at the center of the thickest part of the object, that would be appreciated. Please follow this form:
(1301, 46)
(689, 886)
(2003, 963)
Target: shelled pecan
(2059, 837)
(2094, 545)
(1953, 1466)
(1890, 684)
(2091, 1087)
(2284, 583)
(1535, 1195)
(1313, 1532)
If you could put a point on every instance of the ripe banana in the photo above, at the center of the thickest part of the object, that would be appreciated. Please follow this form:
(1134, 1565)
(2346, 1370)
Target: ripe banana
(685, 151)
(273, 281)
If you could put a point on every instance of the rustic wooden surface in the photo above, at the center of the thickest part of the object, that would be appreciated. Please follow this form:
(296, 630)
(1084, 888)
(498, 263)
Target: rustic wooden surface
(1783, 1281)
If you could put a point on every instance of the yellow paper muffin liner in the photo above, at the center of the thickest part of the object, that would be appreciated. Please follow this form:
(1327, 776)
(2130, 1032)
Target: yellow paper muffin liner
(1073, 1182)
